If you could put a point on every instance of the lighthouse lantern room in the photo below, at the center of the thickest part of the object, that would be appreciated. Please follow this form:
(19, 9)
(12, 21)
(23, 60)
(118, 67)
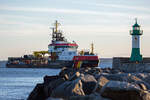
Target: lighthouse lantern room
(136, 32)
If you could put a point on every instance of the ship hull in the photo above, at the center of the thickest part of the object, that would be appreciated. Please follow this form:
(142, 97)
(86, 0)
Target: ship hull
(90, 63)
(55, 65)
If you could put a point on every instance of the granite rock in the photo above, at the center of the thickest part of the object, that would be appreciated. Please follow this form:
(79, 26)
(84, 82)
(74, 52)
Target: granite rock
(37, 93)
(89, 82)
(123, 91)
(68, 88)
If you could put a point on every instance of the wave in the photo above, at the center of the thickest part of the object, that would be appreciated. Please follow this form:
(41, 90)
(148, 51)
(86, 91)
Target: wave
(3, 64)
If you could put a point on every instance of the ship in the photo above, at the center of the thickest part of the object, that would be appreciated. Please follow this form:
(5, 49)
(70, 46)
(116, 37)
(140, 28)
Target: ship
(61, 53)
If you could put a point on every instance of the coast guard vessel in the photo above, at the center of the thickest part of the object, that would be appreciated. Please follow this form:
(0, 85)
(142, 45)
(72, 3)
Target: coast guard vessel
(61, 54)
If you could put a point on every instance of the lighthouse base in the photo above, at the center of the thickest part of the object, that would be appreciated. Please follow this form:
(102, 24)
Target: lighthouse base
(124, 64)
(135, 55)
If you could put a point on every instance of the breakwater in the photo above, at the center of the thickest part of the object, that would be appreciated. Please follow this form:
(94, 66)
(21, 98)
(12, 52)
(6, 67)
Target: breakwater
(93, 84)
(124, 64)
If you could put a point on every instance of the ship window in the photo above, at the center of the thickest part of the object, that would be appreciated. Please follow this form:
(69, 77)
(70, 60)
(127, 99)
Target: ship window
(70, 53)
(55, 47)
(72, 47)
(66, 47)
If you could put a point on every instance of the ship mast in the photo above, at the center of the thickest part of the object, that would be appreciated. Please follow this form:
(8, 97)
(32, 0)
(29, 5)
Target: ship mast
(92, 48)
(56, 35)
(56, 26)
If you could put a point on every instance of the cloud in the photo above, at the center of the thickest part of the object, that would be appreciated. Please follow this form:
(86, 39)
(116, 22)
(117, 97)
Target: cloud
(21, 28)
(55, 10)
(130, 7)
(139, 8)
(12, 16)
(70, 11)
(125, 7)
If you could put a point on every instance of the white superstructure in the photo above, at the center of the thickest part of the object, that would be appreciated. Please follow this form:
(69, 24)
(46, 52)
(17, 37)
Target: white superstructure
(60, 48)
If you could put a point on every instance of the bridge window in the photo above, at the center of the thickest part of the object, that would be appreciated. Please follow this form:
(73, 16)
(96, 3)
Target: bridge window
(70, 53)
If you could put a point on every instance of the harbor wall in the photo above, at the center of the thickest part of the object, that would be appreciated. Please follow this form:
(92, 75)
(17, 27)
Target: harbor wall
(124, 64)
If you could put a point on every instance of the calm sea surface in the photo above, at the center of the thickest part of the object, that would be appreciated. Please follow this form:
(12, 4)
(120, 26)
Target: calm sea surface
(17, 83)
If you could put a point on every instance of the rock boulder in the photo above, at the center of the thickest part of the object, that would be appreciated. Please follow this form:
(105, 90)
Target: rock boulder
(116, 90)
(68, 88)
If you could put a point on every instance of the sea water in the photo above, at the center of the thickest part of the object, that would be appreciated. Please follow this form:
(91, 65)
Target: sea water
(17, 83)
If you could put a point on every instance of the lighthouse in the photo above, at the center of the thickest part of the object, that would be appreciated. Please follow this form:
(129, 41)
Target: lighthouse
(136, 33)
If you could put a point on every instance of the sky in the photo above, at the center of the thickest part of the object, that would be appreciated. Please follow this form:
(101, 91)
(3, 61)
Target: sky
(25, 25)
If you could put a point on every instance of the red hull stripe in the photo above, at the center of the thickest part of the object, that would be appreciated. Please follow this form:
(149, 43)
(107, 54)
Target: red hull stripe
(85, 58)
(64, 44)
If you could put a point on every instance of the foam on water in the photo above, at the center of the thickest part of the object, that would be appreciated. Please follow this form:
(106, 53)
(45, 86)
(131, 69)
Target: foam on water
(17, 83)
